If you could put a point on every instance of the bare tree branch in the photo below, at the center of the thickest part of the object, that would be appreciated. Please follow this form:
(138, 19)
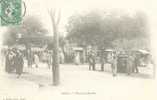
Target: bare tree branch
(55, 17)
(59, 17)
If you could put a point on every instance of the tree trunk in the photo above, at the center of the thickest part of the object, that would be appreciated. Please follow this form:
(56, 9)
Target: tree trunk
(55, 68)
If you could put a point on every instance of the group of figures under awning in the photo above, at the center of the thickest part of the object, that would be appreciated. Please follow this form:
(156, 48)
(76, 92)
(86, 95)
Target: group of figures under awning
(143, 58)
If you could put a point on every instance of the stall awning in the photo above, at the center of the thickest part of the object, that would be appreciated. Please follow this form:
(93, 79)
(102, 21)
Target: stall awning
(78, 49)
(143, 51)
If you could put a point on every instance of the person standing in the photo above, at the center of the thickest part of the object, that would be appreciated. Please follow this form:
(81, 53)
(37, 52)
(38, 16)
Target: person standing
(114, 64)
(91, 60)
(50, 59)
(94, 60)
(8, 62)
(136, 63)
(36, 60)
(130, 63)
(102, 59)
(19, 63)
(29, 58)
(77, 58)
(61, 57)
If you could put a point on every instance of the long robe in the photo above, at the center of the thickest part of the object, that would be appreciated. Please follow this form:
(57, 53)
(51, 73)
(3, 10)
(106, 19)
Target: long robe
(9, 67)
(19, 64)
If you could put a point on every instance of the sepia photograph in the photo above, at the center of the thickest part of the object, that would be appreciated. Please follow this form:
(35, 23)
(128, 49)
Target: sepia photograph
(78, 50)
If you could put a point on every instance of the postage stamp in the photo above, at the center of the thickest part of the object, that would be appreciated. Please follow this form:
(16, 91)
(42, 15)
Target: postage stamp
(10, 12)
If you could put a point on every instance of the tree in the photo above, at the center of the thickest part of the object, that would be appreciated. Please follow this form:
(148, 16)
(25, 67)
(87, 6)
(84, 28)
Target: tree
(102, 30)
(133, 32)
(55, 18)
(29, 32)
(31, 27)
(85, 29)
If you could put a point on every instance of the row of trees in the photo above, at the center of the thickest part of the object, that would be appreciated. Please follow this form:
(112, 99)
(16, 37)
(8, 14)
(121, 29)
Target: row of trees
(93, 28)
(108, 29)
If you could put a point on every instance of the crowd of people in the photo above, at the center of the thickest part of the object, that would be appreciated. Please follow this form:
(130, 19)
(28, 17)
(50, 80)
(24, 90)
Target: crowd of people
(127, 62)
(14, 61)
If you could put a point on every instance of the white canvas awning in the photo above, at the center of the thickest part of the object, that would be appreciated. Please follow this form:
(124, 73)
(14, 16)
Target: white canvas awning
(109, 50)
(143, 51)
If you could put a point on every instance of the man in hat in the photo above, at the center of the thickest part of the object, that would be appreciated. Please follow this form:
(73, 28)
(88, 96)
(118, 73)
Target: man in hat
(91, 60)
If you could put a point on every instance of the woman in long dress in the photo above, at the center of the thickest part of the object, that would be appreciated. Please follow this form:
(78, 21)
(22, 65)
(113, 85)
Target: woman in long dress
(9, 63)
(77, 59)
(36, 60)
(19, 63)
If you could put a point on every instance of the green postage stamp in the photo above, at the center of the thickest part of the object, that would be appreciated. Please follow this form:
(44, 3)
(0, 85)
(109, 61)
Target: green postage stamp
(10, 12)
